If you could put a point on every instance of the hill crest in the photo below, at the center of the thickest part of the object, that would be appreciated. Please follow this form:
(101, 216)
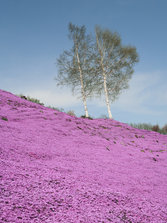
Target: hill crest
(59, 168)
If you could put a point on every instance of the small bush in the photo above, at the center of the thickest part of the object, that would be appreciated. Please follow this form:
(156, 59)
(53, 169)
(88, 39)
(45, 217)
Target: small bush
(142, 126)
(150, 127)
(23, 97)
(155, 128)
(164, 129)
(71, 113)
(83, 116)
(37, 101)
(4, 118)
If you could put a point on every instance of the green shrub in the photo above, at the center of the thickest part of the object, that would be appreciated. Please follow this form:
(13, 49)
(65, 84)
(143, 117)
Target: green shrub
(165, 128)
(37, 101)
(156, 128)
(142, 126)
(83, 116)
(150, 127)
(23, 97)
(71, 113)
(4, 118)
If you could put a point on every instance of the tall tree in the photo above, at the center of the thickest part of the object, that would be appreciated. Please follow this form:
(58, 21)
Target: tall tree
(114, 65)
(74, 65)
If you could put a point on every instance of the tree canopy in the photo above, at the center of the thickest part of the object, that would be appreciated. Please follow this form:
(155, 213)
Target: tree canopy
(96, 65)
(113, 65)
(74, 64)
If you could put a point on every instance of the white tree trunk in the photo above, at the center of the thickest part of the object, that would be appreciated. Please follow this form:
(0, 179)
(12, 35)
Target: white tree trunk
(82, 87)
(106, 94)
(100, 48)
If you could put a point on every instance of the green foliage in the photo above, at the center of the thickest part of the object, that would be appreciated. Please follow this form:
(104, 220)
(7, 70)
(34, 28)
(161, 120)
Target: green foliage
(150, 127)
(142, 126)
(74, 65)
(72, 113)
(4, 118)
(56, 108)
(23, 97)
(83, 116)
(113, 62)
(96, 65)
(164, 129)
(37, 101)
(156, 128)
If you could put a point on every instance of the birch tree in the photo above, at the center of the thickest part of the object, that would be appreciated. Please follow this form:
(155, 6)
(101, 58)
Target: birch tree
(74, 65)
(114, 65)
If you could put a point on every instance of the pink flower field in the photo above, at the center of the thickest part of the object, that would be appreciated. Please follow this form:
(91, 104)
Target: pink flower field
(60, 168)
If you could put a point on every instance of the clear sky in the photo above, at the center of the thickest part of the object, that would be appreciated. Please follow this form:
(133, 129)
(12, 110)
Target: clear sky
(33, 33)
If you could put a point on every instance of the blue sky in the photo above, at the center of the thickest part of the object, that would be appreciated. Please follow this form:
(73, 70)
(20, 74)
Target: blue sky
(33, 33)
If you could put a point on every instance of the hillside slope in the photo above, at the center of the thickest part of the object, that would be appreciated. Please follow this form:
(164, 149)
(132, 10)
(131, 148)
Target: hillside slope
(59, 168)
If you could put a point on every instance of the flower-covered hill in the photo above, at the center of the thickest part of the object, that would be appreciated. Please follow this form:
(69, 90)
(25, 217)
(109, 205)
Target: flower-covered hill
(59, 168)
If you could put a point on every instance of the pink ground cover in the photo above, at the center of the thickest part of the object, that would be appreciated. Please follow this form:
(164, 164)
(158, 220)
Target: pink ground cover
(59, 168)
